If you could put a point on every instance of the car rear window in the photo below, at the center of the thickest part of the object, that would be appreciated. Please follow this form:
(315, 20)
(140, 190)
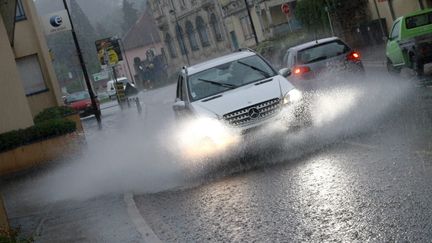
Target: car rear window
(419, 20)
(322, 52)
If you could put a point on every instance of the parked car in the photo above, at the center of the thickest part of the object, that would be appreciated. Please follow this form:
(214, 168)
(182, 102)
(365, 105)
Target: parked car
(313, 61)
(240, 91)
(410, 42)
(81, 102)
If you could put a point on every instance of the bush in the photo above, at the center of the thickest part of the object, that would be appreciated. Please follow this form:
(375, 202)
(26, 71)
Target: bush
(12, 236)
(53, 113)
(40, 131)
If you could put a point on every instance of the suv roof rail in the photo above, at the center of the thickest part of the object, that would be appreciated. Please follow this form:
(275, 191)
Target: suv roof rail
(246, 49)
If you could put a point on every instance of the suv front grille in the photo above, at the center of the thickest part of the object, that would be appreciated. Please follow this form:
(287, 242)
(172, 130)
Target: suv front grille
(253, 113)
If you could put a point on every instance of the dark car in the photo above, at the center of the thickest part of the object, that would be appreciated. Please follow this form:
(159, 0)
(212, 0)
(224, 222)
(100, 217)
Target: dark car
(320, 62)
(81, 102)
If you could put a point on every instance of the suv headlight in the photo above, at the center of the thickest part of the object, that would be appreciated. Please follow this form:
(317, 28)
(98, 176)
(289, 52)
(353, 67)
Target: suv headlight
(293, 96)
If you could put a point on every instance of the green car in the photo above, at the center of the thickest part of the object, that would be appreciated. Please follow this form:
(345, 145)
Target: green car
(410, 42)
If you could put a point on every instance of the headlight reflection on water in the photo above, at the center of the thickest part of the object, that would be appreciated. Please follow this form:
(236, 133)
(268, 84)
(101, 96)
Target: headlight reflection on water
(205, 137)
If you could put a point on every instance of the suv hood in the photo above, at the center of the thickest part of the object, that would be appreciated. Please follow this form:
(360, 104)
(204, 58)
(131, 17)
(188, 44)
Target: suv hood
(242, 97)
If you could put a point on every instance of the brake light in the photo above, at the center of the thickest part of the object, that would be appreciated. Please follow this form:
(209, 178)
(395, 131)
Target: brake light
(353, 56)
(301, 70)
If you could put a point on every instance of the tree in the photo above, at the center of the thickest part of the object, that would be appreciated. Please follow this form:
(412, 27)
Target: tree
(86, 37)
(130, 15)
(311, 13)
(345, 15)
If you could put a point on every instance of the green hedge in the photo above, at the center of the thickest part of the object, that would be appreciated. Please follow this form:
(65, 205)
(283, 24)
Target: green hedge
(53, 113)
(40, 131)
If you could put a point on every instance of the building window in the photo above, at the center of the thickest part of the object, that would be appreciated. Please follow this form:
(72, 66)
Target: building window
(169, 44)
(182, 4)
(19, 13)
(216, 27)
(180, 39)
(246, 27)
(202, 31)
(31, 75)
(191, 36)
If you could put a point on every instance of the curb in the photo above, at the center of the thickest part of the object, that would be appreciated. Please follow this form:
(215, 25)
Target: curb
(141, 225)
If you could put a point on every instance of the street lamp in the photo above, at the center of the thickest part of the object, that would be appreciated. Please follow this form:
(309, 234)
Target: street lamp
(183, 46)
(251, 21)
(96, 110)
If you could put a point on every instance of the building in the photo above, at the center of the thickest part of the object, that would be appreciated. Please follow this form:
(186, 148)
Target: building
(28, 82)
(141, 42)
(267, 16)
(191, 30)
(392, 9)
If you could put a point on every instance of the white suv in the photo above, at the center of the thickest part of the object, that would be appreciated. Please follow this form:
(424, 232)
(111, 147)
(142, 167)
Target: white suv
(240, 90)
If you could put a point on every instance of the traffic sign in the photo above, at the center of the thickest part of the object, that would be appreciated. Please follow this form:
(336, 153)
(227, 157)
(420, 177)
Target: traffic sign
(100, 76)
(286, 8)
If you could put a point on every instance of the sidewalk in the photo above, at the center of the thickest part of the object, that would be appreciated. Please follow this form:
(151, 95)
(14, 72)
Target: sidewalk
(374, 56)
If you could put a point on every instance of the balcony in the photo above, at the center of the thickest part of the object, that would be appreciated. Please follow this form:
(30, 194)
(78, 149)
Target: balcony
(207, 4)
(161, 22)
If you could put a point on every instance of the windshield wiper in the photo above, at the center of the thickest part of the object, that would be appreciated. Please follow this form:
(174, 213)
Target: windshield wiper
(264, 73)
(225, 85)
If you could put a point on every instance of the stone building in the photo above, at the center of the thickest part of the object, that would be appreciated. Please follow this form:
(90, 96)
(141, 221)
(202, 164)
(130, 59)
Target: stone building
(191, 30)
(267, 17)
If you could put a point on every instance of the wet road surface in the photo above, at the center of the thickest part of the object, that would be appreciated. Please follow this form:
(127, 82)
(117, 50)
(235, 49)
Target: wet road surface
(375, 185)
(370, 185)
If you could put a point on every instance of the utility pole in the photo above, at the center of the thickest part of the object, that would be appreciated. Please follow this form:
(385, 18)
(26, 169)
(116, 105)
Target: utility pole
(127, 61)
(251, 21)
(84, 69)
(380, 21)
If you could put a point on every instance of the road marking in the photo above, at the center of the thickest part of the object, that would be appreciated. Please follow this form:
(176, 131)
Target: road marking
(143, 228)
(362, 145)
(424, 152)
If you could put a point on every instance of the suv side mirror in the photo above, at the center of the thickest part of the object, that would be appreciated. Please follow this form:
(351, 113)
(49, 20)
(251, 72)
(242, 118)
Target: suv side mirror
(285, 72)
(179, 105)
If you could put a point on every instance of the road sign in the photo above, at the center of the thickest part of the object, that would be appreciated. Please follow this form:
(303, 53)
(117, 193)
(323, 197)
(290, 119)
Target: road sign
(100, 76)
(56, 22)
(286, 8)
(109, 51)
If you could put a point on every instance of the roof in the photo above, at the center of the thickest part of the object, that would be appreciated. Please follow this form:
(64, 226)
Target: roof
(143, 33)
(219, 61)
(313, 43)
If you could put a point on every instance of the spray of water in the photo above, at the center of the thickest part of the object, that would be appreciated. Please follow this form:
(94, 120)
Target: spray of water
(140, 155)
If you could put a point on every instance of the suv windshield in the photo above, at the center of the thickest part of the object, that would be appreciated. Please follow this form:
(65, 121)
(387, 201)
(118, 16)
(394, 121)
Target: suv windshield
(228, 76)
(322, 52)
(419, 20)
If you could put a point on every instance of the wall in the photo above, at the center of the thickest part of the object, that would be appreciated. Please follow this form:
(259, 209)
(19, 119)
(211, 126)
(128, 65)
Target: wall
(14, 109)
(4, 225)
(30, 40)
(400, 7)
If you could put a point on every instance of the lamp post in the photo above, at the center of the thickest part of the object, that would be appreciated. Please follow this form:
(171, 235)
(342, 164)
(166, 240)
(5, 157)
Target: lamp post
(251, 21)
(183, 46)
(96, 110)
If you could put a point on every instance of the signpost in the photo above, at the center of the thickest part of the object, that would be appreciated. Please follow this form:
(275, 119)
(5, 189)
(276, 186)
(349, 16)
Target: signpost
(100, 76)
(109, 51)
(109, 55)
(286, 9)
